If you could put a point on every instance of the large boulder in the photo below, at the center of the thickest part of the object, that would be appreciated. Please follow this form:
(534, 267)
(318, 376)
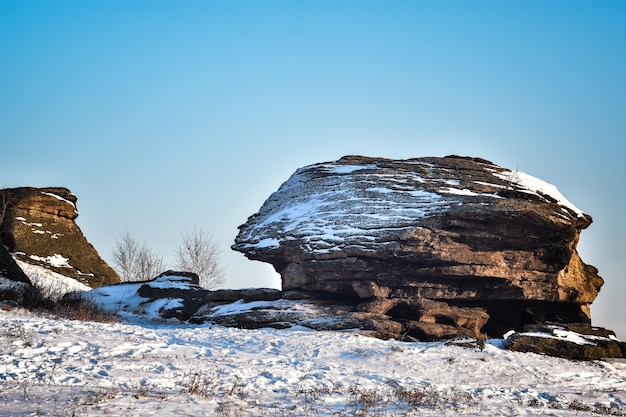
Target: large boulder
(39, 228)
(393, 235)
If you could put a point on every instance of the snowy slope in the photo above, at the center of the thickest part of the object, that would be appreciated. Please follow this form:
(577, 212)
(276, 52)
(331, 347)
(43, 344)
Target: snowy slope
(54, 367)
(52, 284)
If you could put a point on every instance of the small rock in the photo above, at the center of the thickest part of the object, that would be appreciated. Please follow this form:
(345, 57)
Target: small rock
(568, 340)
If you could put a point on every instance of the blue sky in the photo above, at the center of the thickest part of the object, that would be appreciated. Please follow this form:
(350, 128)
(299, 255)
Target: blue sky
(165, 115)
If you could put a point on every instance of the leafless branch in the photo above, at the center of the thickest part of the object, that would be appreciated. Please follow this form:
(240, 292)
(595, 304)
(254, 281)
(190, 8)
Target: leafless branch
(134, 261)
(199, 254)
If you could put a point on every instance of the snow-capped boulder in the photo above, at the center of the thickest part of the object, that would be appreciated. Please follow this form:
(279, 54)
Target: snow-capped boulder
(39, 229)
(459, 231)
(171, 295)
(567, 340)
(178, 290)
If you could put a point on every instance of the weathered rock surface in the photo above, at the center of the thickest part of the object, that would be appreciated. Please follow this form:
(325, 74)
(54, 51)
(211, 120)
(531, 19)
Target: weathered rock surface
(39, 228)
(443, 247)
(570, 341)
(13, 282)
(246, 295)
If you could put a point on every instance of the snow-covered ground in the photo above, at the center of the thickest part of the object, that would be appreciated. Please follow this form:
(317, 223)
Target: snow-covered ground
(55, 367)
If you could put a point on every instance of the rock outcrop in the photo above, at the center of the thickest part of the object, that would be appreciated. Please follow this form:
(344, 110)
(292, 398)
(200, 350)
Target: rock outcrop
(39, 228)
(171, 295)
(567, 340)
(442, 247)
(182, 291)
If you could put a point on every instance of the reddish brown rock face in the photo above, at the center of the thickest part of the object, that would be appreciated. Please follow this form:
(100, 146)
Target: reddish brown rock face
(459, 231)
(38, 228)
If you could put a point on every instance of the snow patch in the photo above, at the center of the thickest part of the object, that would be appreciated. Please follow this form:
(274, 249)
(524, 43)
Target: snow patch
(566, 335)
(270, 242)
(51, 283)
(151, 310)
(58, 197)
(171, 281)
(124, 300)
(23, 220)
(465, 191)
(116, 297)
(239, 307)
(55, 260)
(536, 186)
(347, 169)
(38, 231)
(489, 184)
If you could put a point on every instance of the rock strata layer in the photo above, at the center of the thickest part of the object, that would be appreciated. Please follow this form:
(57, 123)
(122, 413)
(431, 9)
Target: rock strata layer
(441, 246)
(39, 228)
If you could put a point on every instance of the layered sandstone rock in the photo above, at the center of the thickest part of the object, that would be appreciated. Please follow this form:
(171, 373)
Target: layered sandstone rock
(39, 228)
(441, 246)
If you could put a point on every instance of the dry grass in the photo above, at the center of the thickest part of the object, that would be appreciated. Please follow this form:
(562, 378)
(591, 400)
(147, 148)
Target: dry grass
(233, 401)
(54, 301)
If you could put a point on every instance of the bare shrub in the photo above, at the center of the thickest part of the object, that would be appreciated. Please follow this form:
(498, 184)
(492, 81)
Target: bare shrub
(205, 386)
(134, 261)
(55, 300)
(513, 179)
(84, 309)
(198, 253)
(366, 400)
(35, 298)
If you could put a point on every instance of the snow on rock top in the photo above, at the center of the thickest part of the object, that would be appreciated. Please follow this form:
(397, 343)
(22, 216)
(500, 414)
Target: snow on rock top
(52, 284)
(534, 185)
(58, 197)
(330, 206)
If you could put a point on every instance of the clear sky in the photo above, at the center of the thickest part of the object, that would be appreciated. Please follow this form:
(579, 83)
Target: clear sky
(165, 115)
